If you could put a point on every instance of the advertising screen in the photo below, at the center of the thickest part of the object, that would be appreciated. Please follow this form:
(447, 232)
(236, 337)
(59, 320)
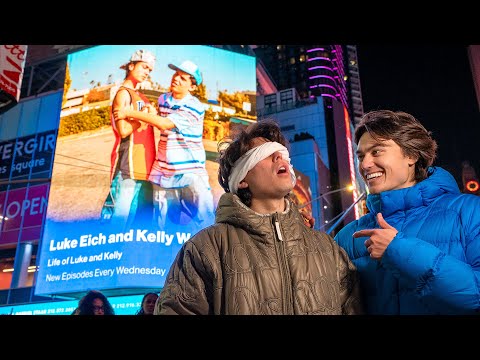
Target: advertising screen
(122, 305)
(135, 171)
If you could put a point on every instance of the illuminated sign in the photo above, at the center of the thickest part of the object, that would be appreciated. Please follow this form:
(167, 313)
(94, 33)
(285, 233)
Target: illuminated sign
(22, 210)
(84, 245)
(12, 63)
(351, 161)
(122, 305)
(27, 155)
(472, 185)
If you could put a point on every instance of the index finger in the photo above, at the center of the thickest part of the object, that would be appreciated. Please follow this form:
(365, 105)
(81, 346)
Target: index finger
(362, 233)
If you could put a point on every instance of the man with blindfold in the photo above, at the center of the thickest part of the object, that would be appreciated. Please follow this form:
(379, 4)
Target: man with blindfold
(259, 258)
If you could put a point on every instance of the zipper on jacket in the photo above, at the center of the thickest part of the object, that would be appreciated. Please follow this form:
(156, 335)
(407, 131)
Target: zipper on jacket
(284, 269)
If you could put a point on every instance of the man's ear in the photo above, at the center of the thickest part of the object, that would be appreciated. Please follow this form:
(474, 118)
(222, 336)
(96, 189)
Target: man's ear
(243, 185)
(412, 160)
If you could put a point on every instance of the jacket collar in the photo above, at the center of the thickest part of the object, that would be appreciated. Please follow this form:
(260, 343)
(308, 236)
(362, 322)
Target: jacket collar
(438, 182)
(232, 211)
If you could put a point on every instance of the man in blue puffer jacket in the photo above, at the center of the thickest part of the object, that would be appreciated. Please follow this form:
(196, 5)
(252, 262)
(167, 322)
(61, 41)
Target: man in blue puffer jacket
(418, 249)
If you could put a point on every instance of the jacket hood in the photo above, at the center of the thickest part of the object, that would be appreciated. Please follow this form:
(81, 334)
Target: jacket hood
(438, 182)
(232, 211)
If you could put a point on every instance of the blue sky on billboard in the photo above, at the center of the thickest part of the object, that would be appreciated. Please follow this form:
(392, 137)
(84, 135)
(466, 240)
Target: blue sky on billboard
(214, 64)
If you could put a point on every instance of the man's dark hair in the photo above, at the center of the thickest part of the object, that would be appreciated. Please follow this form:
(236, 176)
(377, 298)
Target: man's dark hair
(231, 150)
(194, 81)
(406, 131)
(127, 68)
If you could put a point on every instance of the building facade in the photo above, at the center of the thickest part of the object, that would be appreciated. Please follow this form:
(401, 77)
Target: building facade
(34, 242)
(329, 76)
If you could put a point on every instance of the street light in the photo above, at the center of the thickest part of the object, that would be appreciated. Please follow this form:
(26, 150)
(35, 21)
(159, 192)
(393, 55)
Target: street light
(2, 218)
(340, 217)
(346, 188)
(345, 213)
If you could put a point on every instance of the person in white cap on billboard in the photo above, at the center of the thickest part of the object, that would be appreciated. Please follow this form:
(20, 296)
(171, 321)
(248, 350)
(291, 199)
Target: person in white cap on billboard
(180, 179)
(130, 197)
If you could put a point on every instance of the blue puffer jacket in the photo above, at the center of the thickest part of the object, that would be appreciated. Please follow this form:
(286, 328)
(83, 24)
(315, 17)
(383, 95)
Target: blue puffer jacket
(432, 266)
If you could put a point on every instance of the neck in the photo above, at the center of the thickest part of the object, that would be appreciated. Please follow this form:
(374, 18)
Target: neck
(178, 96)
(269, 206)
(130, 83)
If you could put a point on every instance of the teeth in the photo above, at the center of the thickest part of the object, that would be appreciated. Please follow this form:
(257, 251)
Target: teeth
(373, 175)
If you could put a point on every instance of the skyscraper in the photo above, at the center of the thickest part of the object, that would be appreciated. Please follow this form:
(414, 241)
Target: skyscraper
(319, 70)
(330, 72)
(474, 58)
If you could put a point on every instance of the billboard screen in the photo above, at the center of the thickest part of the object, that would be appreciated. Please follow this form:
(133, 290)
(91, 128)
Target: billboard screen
(135, 171)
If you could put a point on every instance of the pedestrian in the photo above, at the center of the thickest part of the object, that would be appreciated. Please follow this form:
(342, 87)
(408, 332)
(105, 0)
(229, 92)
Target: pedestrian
(94, 303)
(148, 304)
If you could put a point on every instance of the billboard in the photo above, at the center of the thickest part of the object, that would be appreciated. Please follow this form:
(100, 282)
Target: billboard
(12, 63)
(106, 156)
(22, 208)
(22, 213)
(26, 155)
(122, 305)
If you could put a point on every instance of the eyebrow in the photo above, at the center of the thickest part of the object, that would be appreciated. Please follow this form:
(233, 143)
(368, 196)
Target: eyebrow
(377, 144)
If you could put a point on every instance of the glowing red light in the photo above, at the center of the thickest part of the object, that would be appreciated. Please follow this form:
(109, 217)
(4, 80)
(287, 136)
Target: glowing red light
(472, 185)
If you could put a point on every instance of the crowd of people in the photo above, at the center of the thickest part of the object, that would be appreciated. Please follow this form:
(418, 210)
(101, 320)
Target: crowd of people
(96, 303)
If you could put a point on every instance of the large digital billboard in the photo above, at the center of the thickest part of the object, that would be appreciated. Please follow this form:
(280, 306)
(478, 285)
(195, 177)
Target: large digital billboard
(124, 191)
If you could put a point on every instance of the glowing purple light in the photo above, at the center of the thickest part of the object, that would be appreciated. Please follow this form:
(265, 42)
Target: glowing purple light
(320, 67)
(333, 97)
(315, 49)
(320, 58)
(323, 85)
(322, 76)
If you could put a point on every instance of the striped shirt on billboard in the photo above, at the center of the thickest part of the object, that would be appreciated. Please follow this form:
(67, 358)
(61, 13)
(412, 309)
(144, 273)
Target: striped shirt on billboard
(180, 150)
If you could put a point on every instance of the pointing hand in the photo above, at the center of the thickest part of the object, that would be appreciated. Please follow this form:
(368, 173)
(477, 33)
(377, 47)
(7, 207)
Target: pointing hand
(378, 239)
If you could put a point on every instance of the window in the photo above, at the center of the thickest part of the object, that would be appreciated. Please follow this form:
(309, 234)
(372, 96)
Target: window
(286, 97)
(270, 100)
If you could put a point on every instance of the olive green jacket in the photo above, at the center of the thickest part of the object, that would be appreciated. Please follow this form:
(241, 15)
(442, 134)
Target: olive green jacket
(250, 263)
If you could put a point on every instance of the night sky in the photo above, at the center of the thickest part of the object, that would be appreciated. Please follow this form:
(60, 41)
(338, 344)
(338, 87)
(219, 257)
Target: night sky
(434, 84)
